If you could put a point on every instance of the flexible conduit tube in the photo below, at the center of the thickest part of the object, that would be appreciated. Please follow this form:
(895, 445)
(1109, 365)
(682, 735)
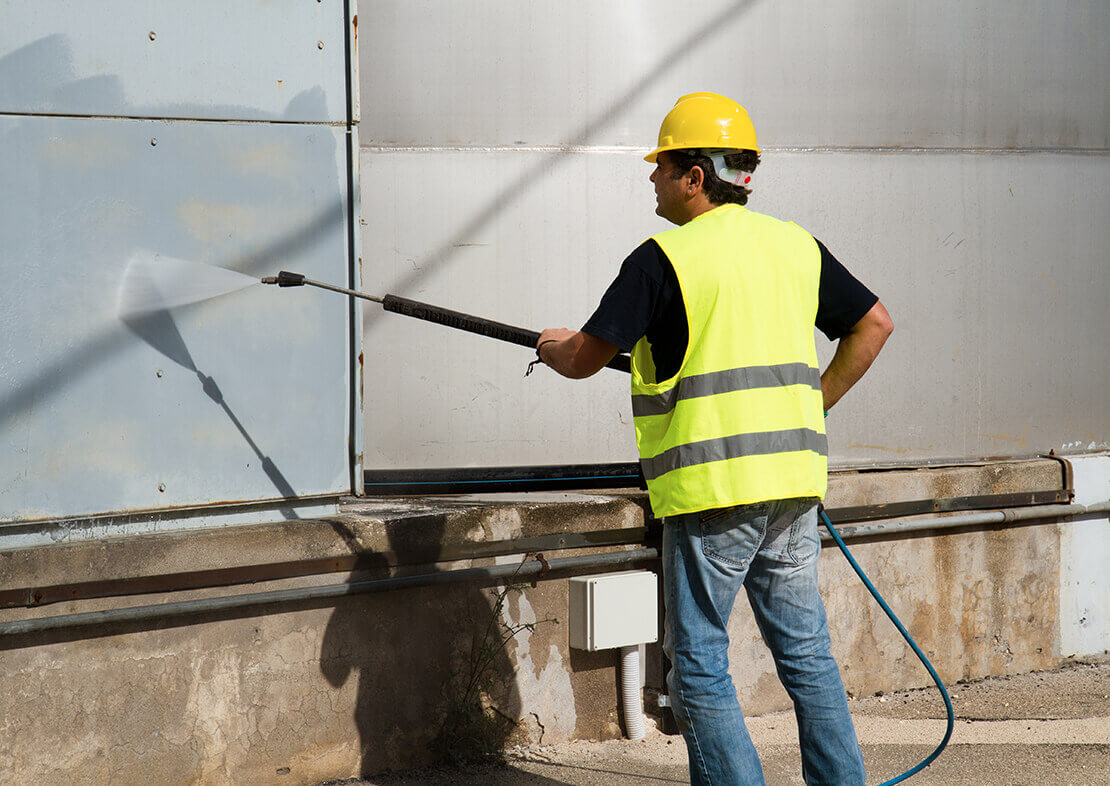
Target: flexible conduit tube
(139, 613)
(1004, 516)
(527, 570)
(630, 692)
(951, 715)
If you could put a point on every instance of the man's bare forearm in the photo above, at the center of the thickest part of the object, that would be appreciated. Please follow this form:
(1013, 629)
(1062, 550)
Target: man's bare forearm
(855, 353)
(574, 354)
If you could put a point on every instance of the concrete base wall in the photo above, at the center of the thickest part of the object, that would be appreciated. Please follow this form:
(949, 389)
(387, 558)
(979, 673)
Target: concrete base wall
(300, 695)
(981, 603)
(305, 692)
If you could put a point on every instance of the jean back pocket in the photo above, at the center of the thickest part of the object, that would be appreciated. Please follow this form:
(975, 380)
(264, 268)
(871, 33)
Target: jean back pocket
(732, 536)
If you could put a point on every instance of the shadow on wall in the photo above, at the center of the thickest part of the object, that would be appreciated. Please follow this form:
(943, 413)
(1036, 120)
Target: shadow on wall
(159, 330)
(67, 215)
(714, 26)
(435, 682)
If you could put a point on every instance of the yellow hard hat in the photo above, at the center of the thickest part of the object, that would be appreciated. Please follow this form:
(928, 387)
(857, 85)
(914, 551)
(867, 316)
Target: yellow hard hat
(708, 121)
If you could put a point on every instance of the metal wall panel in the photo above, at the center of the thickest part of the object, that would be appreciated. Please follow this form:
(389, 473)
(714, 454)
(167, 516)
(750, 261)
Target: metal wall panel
(242, 398)
(201, 59)
(1000, 298)
(984, 73)
(98, 414)
(506, 236)
(994, 267)
(954, 155)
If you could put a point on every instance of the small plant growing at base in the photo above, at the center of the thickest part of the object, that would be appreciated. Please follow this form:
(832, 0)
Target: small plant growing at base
(472, 729)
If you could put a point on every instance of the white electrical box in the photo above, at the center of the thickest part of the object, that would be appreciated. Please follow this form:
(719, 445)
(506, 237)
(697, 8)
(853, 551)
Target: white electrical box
(613, 610)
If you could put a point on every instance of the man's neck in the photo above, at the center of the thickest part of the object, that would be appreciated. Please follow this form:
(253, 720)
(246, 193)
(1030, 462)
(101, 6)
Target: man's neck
(698, 206)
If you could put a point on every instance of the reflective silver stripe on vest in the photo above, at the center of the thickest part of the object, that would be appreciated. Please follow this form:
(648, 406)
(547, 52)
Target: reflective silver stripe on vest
(745, 378)
(760, 443)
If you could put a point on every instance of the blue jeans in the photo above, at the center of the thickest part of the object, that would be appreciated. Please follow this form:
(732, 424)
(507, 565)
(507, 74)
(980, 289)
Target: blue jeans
(770, 548)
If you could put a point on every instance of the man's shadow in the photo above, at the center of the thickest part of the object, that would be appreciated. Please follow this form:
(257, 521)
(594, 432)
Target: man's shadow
(435, 681)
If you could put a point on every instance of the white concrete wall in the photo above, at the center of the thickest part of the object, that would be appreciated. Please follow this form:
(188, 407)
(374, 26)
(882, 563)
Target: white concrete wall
(954, 156)
(1084, 557)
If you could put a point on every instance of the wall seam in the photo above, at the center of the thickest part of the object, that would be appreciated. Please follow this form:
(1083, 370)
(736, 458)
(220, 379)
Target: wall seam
(1081, 151)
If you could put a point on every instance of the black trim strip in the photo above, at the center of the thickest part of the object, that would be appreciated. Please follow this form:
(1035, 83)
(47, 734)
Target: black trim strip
(474, 480)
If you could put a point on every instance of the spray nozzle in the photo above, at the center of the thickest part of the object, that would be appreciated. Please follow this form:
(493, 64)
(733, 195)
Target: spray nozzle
(285, 279)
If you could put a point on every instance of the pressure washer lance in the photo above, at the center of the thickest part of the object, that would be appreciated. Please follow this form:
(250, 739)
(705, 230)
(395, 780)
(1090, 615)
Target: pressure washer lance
(441, 316)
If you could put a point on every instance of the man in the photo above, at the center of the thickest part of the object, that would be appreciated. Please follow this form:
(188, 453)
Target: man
(729, 407)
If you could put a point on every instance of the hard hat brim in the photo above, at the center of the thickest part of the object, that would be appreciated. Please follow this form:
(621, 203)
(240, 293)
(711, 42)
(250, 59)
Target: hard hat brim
(654, 154)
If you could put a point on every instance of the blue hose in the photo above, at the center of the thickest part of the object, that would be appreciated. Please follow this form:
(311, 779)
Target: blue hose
(909, 640)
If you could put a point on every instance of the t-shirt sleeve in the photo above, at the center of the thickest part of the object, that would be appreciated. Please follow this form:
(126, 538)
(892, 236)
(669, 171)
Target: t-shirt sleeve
(841, 299)
(625, 311)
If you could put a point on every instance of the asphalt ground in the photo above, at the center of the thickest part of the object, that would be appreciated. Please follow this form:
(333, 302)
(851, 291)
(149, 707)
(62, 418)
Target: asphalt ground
(1046, 728)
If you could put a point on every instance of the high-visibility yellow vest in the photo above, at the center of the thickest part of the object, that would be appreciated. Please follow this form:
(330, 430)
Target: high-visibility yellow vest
(741, 421)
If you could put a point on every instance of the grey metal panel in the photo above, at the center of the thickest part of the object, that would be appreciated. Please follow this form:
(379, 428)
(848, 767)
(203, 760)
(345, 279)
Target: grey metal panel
(238, 398)
(515, 237)
(252, 60)
(504, 148)
(993, 267)
(952, 73)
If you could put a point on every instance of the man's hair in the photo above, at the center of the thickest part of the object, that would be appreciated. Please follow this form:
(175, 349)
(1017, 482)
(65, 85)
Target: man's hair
(718, 191)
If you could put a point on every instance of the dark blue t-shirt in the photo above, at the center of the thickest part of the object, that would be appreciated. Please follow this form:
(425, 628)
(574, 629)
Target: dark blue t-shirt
(646, 300)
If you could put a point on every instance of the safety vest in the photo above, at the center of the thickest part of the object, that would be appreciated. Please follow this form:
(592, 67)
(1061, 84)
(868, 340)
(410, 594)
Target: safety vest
(741, 421)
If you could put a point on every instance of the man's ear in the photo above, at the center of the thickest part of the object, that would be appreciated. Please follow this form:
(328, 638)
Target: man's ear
(697, 178)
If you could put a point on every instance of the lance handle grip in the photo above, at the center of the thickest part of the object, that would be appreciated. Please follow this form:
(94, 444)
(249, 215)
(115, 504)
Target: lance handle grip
(473, 324)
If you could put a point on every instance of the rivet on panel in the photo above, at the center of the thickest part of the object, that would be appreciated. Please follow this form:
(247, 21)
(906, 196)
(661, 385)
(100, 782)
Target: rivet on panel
(319, 44)
(161, 486)
(158, 373)
(153, 142)
(152, 35)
